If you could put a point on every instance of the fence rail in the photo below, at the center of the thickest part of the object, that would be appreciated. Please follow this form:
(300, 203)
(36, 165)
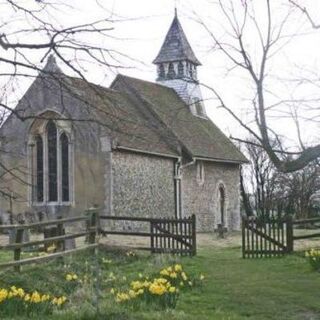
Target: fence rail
(167, 235)
(266, 237)
(58, 239)
(309, 222)
(273, 237)
(176, 236)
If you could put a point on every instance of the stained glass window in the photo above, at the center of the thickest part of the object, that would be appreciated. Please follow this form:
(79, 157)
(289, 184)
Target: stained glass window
(52, 161)
(39, 170)
(64, 143)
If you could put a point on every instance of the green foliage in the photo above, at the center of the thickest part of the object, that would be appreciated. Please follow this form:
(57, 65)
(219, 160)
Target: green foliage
(233, 288)
(313, 257)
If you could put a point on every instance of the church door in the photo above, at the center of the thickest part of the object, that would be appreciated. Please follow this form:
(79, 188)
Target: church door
(222, 205)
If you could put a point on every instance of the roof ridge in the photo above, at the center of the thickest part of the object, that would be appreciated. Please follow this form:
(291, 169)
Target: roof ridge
(155, 113)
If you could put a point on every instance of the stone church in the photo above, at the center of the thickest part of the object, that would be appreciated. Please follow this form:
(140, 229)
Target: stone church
(137, 148)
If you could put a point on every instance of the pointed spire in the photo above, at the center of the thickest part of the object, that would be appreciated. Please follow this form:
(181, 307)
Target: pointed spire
(176, 46)
(51, 64)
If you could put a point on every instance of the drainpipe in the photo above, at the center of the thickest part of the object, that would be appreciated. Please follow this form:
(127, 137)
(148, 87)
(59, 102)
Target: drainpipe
(178, 185)
(192, 162)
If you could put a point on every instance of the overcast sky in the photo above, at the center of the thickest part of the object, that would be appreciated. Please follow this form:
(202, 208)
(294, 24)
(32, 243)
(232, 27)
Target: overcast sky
(141, 25)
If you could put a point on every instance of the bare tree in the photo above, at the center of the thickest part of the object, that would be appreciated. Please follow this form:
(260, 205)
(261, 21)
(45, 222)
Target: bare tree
(255, 33)
(298, 189)
(33, 31)
(263, 178)
(272, 192)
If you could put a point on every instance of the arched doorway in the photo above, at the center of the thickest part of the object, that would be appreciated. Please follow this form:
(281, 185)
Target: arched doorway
(222, 205)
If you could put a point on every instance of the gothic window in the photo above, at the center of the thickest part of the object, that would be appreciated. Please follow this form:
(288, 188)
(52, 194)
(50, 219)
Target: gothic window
(39, 168)
(180, 69)
(64, 166)
(161, 71)
(52, 165)
(52, 162)
(171, 72)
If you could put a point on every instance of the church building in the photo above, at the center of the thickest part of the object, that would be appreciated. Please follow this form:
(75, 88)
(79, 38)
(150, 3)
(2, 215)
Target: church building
(137, 148)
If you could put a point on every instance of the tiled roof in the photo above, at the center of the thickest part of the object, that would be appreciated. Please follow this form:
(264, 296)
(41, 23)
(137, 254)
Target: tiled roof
(200, 137)
(176, 46)
(122, 117)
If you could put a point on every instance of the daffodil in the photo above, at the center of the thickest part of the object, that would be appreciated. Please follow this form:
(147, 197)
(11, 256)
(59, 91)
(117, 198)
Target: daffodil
(178, 268)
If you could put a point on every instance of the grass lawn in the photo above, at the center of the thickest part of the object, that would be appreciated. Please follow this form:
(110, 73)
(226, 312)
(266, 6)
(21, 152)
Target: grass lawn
(277, 288)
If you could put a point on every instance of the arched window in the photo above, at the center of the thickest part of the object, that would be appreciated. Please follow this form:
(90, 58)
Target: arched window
(64, 147)
(171, 72)
(52, 162)
(39, 168)
(222, 200)
(161, 71)
(180, 69)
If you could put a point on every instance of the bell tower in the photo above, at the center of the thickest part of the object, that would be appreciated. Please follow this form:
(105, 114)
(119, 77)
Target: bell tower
(177, 67)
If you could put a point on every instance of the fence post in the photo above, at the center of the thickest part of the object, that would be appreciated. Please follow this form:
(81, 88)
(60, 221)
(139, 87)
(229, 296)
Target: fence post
(152, 236)
(243, 237)
(60, 232)
(17, 251)
(289, 231)
(92, 224)
(194, 235)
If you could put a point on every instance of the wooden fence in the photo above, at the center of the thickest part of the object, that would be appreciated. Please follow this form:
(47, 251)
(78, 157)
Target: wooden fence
(266, 237)
(273, 237)
(308, 223)
(177, 236)
(90, 220)
(167, 235)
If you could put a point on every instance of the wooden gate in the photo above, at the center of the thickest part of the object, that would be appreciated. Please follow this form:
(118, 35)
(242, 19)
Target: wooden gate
(266, 237)
(173, 236)
(167, 235)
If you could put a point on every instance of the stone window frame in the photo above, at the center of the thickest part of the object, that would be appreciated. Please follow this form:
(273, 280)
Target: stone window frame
(38, 128)
(221, 184)
(200, 172)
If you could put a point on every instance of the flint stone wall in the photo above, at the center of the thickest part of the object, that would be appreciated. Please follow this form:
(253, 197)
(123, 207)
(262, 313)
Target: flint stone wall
(202, 198)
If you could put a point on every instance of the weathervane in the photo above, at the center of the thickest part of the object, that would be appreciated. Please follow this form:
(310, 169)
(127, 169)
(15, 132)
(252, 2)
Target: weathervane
(175, 8)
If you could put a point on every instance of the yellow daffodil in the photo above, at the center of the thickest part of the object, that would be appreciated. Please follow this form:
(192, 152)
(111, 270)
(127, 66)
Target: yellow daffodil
(178, 268)
(172, 289)
(69, 277)
(184, 276)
